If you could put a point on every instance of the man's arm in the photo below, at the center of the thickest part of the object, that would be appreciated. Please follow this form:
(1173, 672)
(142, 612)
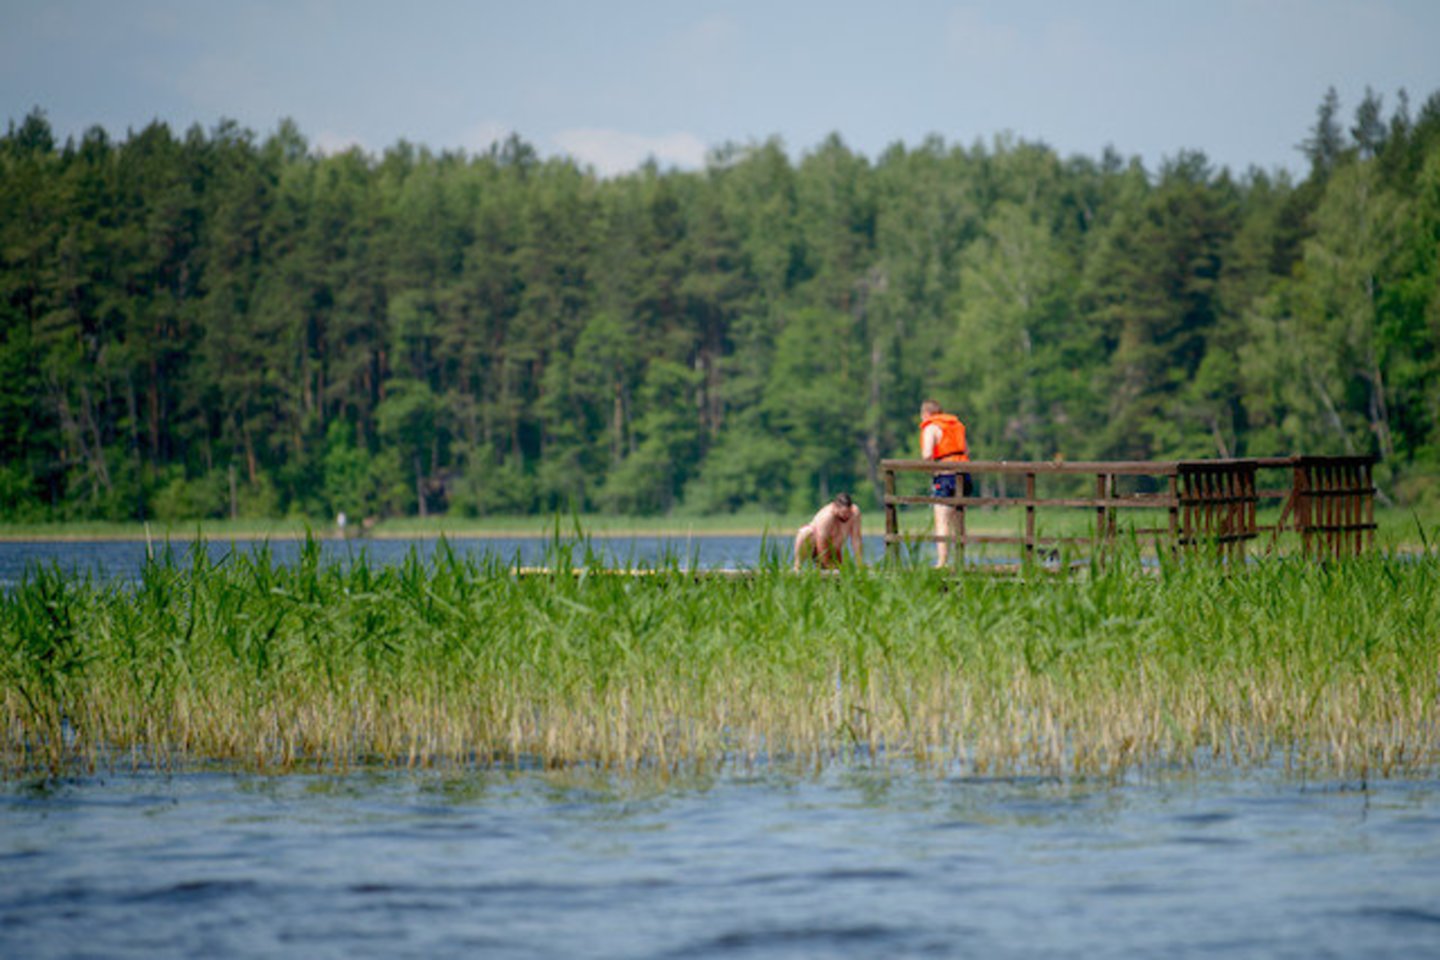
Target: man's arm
(928, 437)
(800, 537)
(857, 547)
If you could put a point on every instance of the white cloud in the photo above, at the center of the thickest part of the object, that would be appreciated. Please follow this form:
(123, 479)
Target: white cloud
(612, 152)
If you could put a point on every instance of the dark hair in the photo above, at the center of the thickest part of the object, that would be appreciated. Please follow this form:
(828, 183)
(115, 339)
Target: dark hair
(843, 500)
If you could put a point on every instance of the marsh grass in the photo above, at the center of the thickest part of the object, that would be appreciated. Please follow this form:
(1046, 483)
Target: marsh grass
(457, 660)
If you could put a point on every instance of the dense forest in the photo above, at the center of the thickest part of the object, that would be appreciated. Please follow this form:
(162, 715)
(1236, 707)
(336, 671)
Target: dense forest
(200, 324)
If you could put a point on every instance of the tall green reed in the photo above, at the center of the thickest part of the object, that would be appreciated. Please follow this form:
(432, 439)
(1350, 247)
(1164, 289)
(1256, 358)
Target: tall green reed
(468, 660)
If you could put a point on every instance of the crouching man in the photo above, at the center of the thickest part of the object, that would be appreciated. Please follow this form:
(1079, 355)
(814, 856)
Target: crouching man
(823, 538)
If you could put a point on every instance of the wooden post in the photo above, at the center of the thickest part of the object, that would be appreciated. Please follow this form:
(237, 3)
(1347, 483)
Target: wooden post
(1030, 517)
(1174, 511)
(1329, 510)
(1113, 487)
(1104, 516)
(957, 540)
(1253, 507)
(1337, 512)
(1356, 509)
(1100, 523)
(1342, 511)
(1208, 506)
(1368, 482)
(1250, 523)
(1225, 509)
(1300, 492)
(1215, 491)
(1230, 490)
(892, 518)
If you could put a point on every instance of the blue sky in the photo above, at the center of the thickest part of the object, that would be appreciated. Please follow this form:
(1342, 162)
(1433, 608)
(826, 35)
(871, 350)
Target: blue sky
(610, 83)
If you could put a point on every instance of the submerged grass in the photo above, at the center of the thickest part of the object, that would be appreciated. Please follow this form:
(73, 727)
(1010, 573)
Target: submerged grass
(458, 660)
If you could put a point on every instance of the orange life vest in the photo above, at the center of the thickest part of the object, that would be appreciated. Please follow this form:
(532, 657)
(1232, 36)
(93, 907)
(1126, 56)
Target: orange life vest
(951, 445)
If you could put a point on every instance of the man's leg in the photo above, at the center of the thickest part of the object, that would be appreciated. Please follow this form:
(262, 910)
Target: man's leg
(943, 528)
(943, 485)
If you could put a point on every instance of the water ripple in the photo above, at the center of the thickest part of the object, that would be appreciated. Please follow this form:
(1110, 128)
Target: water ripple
(1405, 915)
(190, 892)
(861, 865)
(873, 938)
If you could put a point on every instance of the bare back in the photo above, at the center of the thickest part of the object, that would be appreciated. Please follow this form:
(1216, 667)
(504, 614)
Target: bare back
(823, 538)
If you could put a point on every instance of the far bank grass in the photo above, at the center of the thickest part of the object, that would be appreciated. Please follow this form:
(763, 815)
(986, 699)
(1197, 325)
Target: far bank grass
(1399, 527)
(460, 661)
(293, 528)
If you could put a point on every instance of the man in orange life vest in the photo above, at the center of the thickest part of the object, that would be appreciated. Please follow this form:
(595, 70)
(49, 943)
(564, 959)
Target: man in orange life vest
(942, 437)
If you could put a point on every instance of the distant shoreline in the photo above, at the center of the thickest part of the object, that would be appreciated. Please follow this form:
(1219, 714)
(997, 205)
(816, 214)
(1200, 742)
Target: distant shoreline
(418, 535)
(1398, 527)
(137, 534)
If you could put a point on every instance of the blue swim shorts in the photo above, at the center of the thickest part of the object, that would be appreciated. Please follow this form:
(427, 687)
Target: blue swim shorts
(945, 484)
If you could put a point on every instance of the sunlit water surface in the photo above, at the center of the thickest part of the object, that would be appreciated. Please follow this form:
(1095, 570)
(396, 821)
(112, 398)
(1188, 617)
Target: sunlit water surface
(854, 862)
(123, 560)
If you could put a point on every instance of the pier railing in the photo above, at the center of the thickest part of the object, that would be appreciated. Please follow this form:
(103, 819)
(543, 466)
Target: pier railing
(1192, 504)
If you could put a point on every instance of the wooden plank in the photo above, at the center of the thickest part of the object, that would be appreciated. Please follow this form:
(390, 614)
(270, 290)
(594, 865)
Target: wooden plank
(1214, 499)
(1342, 492)
(1153, 468)
(1149, 501)
(1334, 460)
(979, 538)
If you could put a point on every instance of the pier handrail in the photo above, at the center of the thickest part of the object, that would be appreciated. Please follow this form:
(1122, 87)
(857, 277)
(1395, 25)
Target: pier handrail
(1330, 501)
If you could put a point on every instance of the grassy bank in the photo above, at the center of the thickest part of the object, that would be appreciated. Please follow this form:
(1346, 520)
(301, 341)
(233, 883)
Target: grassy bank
(460, 661)
(1398, 527)
(298, 528)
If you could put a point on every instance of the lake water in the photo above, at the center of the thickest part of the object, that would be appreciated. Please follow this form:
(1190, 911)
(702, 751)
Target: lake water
(122, 560)
(855, 862)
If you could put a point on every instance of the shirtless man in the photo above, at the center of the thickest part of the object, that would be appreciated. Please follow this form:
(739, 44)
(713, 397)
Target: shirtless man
(823, 538)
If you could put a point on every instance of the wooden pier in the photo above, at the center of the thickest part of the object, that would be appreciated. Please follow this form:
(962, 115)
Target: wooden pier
(1208, 505)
